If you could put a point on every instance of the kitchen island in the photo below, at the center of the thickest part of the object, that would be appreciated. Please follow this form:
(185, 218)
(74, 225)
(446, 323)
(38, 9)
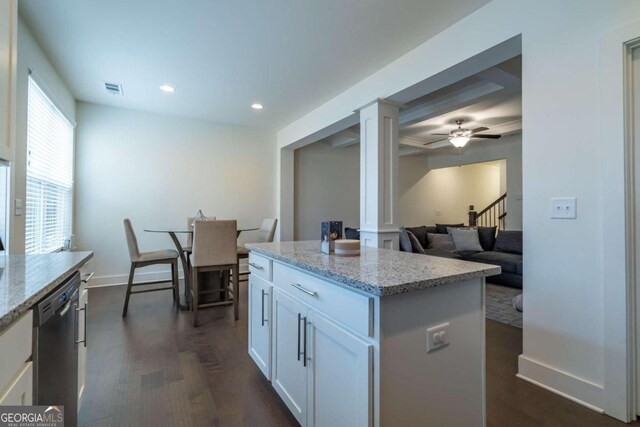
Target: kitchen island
(24, 281)
(384, 339)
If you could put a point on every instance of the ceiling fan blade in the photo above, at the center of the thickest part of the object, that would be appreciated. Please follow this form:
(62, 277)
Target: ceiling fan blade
(437, 140)
(480, 129)
(486, 136)
(443, 134)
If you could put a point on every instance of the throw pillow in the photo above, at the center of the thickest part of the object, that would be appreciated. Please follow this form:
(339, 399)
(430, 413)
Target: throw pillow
(405, 242)
(487, 236)
(420, 233)
(509, 241)
(465, 240)
(442, 228)
(351, 233)
(441, 242)
(416, 247)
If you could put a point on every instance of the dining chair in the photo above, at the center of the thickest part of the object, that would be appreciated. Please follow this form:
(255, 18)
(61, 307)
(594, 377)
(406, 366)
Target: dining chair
(266, 233)
(144, 259)
(214, 249)
(190, 219)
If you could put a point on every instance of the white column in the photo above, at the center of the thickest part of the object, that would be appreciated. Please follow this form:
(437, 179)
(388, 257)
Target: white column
(379, 175)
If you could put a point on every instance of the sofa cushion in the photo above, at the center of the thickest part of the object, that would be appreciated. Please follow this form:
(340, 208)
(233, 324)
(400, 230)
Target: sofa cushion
(442, 242)
(416, 247)
(509, 241)
(421, 233)
(465, 240)
(519, 268)
(443, 254)
(487, 237)
(442, 228)
(508, 262)
(405, 242)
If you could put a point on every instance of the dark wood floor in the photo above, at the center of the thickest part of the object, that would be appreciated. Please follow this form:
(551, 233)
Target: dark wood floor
(155, 369)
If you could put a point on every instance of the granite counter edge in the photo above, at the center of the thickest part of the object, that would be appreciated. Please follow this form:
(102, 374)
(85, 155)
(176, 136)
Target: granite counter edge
(14, 313)
(380, 291)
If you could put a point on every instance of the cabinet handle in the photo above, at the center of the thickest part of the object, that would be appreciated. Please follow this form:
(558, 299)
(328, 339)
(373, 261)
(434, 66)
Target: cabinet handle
(306, 291)
(304, 344)
(298, 349)
(84, 339)
(87, 278)
(259, 267)
(263, 319)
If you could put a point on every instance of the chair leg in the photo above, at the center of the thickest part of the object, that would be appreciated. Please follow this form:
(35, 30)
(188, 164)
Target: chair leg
(129, 284)
(236, 292)
(175, 280)
(194, 295)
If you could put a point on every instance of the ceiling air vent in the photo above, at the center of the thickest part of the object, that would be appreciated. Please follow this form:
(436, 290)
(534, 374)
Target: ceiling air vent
(113, 88)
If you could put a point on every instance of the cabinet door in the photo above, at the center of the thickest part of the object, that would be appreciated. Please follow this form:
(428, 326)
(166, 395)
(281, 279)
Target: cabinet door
(260, 324)
(8, 37)
(20, 391)
(339, 376)
(289, 373)
(83, 303)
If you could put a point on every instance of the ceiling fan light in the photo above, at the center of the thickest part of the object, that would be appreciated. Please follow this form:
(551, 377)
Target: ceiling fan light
(459, 141)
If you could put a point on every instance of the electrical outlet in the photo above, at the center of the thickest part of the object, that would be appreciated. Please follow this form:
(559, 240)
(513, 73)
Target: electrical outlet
(438, 213)
(437, 337)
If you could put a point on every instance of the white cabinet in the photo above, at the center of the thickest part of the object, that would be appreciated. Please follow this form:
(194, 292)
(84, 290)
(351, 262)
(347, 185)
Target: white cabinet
(83, 303)
(16, 372)
(260, 324)
(339, 373)
(289, 370)
(321, 371)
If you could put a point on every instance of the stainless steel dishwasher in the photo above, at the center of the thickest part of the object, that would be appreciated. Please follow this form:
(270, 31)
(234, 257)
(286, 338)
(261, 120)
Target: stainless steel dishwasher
(55, 349)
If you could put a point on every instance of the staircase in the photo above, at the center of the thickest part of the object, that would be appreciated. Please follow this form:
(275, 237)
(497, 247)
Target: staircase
(493, 215)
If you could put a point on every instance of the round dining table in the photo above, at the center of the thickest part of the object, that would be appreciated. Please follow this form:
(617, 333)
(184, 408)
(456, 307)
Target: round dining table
(186, 268)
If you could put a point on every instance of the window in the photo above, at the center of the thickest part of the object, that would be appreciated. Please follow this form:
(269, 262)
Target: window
(49, 204)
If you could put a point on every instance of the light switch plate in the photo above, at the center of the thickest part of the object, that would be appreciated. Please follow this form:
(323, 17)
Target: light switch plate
(563, 208)
(437, 337)
(18, 207)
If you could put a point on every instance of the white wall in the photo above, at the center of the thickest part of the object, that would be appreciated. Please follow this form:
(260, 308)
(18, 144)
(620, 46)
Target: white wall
(157, 170)
(31, 57)
(443, 196)
(327, 187)
(508, 148)
(564, 343)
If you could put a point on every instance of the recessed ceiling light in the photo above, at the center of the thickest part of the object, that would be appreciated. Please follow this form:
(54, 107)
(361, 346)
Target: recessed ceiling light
(257, 106)
(167, 88)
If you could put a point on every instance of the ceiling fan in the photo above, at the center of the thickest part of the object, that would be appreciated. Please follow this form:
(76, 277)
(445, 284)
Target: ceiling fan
(459, 137)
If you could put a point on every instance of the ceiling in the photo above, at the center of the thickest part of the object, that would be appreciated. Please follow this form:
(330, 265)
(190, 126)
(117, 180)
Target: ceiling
(222, 56)
(491, 98)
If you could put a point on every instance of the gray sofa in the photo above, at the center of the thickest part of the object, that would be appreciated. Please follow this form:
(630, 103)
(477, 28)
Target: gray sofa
(504, 250)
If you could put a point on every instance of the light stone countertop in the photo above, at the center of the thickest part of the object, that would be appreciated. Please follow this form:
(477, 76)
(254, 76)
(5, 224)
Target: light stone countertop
(380, 272)
(26, 279)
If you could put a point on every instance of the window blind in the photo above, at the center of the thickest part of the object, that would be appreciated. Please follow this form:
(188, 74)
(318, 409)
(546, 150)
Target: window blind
(49, 203)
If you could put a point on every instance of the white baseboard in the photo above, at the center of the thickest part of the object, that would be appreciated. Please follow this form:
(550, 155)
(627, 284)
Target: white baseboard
(142, 276)
(562, 383)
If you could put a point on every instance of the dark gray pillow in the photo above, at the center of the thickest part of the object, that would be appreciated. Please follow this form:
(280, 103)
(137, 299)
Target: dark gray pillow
(487, 236)
(509, 241)
(442, 228)
(405, 242)
(351, 233)
(416, 247)
(442, 242)
(420, 233)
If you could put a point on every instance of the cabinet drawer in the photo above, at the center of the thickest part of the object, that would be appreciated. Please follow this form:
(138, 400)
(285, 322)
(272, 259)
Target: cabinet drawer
(20, 390)
(260, 266)
(15, 348)
(350, 308)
